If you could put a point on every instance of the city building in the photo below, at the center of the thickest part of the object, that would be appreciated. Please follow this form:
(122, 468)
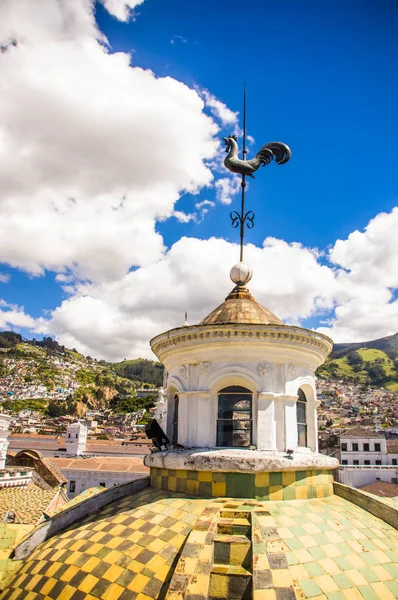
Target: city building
(367, 457)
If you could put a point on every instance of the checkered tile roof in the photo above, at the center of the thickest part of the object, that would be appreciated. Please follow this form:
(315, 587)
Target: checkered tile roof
(159, 544)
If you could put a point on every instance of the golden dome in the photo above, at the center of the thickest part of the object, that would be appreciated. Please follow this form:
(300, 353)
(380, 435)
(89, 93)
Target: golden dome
(240, 307)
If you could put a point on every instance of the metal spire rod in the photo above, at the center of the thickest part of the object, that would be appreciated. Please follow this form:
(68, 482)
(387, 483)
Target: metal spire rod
(272, 151)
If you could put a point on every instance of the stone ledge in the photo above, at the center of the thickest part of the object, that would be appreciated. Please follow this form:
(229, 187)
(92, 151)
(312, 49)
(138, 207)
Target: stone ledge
(236, 460)
(368, 502)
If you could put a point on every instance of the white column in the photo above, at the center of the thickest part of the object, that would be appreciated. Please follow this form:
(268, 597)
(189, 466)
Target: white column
(204, 437)
(279, 411)
(291, 439)
(183, 412)
(266, 431)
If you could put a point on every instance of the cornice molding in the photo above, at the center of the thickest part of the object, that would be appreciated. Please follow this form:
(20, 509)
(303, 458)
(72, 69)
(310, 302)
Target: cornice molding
(269, 333)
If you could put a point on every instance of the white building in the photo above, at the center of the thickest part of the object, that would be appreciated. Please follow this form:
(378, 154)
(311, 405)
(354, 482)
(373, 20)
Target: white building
(242, 384)
(84, 473)
(366, 457)
(76, 439)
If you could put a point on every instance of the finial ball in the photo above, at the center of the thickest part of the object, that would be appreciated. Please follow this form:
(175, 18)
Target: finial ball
(241, 273)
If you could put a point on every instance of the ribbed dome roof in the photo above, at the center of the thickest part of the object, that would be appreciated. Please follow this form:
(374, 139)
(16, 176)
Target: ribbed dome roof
(240, 307)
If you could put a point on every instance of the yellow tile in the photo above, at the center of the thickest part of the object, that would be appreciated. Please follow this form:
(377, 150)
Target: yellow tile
(264, 595)
(308, 541)
(138, 583)
(380, 556)
(382, 591)
(262, 479)
(67, 593)
(94, 549)
(69, 573)
(172, 484)
(198, 585)
(276, 493)
(381, 573)
(281, 577)
(288, 478)
(380, 544)
(285, 533)
(155, 563)
(48, 586)
(326, 584)
(310, 528)
(218, 586)
(155, 546)
(113, 573)
(331, 550)
(163, 572)
(205, 476)
(72, 558)
(301, 492)
(352, 594)
(329, 566)
(299, 572)
(356, 546)
(303, 556)
(356, 577)
(334, 537)
(218, 488)
(112, 557)
(92, 562)
(113, 592)
(88, 583)
(135, 566)
(182, 474)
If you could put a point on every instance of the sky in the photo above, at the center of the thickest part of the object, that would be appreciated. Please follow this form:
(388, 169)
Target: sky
(114, 201)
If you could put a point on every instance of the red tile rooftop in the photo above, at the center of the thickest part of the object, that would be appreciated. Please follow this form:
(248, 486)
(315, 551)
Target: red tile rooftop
(98, 463)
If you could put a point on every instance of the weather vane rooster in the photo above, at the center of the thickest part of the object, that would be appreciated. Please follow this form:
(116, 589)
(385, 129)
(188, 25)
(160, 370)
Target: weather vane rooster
(272, 151)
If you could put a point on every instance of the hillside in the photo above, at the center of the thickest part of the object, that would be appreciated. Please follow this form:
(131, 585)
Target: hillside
(374, 363)
(44, 376)
(388, 344)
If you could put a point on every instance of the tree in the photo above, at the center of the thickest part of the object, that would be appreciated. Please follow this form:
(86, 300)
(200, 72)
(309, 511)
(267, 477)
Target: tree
(354, 358)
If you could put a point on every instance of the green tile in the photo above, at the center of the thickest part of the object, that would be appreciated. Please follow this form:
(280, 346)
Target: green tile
(262, 493)
(240, 485)
(309, 588)
(314, 569)
(393, 587)
(336, 596)
(344, 548)
(393, 556)
(368, 545)
(293, 543)
(297, 530)
(317, 553)
(321, 539)
(342, 581)
(275, 479)
(289, 493)
(367, 592)
(369, 575)
(392, 569)
(369, 559)
(291, 559)
(311, 491)
(346, 535)
(301, 477)
(342, 563)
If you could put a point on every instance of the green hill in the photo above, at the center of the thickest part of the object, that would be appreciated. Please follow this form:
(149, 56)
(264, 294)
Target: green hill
(374, 363)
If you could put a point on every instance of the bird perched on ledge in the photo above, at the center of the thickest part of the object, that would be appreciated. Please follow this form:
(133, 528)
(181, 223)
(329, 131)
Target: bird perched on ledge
(274, 150)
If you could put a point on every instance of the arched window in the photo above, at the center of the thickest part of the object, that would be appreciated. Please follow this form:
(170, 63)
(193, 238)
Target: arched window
(234, 422)
(301, 409)
(175, 420)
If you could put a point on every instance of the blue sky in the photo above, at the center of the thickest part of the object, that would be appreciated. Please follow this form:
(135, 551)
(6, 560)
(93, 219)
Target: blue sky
(321, 77)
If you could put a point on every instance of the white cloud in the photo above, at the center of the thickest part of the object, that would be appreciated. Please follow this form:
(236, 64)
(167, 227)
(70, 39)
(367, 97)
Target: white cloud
(183, 217)
(104, 150)
(366, 281)
(154, 298)
(226, 188)
(4, 277)
(12, 316)
(178, 38)
(219, 109)
(121, 9)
